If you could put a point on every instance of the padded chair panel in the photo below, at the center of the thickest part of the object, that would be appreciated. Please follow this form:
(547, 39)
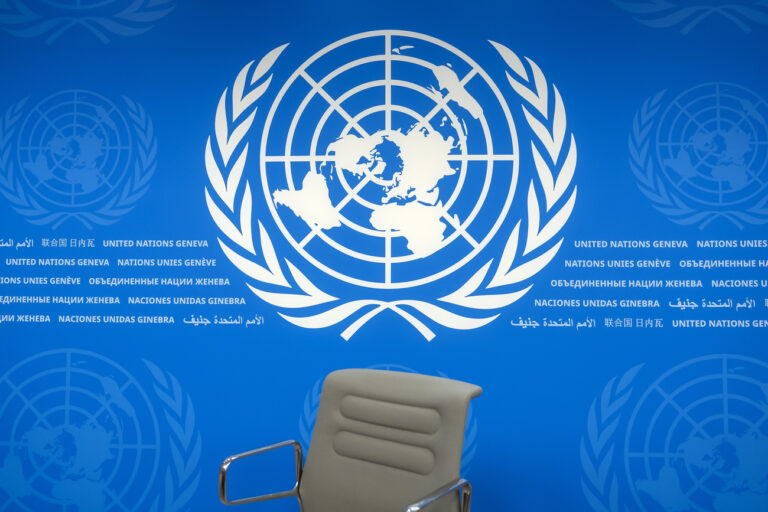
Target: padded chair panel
(384, 440)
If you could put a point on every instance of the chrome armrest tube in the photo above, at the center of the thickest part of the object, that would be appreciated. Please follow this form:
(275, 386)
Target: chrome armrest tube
(284, 494)
(463, 487)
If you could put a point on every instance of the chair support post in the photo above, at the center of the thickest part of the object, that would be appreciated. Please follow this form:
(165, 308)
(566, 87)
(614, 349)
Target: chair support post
(460, 485)
(224, 468)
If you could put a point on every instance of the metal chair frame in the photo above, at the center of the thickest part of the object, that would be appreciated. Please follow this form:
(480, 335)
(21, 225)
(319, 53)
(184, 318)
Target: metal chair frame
(460, 485)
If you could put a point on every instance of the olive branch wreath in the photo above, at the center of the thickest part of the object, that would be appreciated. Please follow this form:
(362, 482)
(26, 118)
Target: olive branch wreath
(665, 14)
(183, 472)
(19, 19)
(121, 201)
(599, 484)
(641, 163)
(552, 148)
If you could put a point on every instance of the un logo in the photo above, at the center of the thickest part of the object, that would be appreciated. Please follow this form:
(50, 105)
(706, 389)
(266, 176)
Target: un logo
(390, 165)
(76, 156)
(688, 14)
(80, 433)
(709, 158)
(696, 439)
(100, 18)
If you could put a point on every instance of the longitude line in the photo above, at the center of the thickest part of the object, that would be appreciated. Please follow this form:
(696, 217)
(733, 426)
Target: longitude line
(40, 415)
(334, 103)
(68, 389)
(682, 412)
(50, 123)
(388, 82)
(444, 101)
(341, 204)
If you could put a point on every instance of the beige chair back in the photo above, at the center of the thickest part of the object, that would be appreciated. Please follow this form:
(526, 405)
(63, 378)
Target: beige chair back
(383, 440)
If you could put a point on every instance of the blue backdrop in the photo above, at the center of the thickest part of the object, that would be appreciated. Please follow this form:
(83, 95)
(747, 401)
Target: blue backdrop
(562, 202)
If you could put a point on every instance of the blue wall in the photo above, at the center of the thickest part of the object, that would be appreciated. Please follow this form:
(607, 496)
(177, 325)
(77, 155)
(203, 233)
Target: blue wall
(604, 280)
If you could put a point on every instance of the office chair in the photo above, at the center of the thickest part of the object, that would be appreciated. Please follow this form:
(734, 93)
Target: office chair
(383, 441)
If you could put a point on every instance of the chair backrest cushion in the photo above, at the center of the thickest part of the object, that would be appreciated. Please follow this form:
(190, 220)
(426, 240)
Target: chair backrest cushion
(383, 440)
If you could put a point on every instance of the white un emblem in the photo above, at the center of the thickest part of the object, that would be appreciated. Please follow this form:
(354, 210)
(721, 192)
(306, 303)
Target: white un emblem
(78, 432)
(695, 440)
(711, 155)
(378, 166)
(77, 157)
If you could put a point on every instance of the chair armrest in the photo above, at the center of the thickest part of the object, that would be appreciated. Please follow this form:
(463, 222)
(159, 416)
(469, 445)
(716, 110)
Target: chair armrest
(463, 487)
(284, 494)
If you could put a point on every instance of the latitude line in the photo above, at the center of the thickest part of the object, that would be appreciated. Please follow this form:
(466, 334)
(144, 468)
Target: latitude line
(756, 427)
(31, 407)
(744, 117)
(682, 412)
(107, 403)
(684, 111)
(699, 481)
(59, 166)
(50, 123)
(331, 158)
(38, 472)
(103, 121)
(115, 498)
(444, 101)
(333, 103)
(461, 230)
(341, 204)
(388, 82)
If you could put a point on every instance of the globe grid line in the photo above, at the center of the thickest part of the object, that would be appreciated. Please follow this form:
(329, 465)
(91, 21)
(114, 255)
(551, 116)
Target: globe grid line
(412, 114)
(91, 417)
(723, 375)
(650, 183)
(387, 84)
(73, 124)
(301, 73)
(109, 207)
(334, 104)
(509, 271)
(187, 477)
(327, 158)
(744, 116)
